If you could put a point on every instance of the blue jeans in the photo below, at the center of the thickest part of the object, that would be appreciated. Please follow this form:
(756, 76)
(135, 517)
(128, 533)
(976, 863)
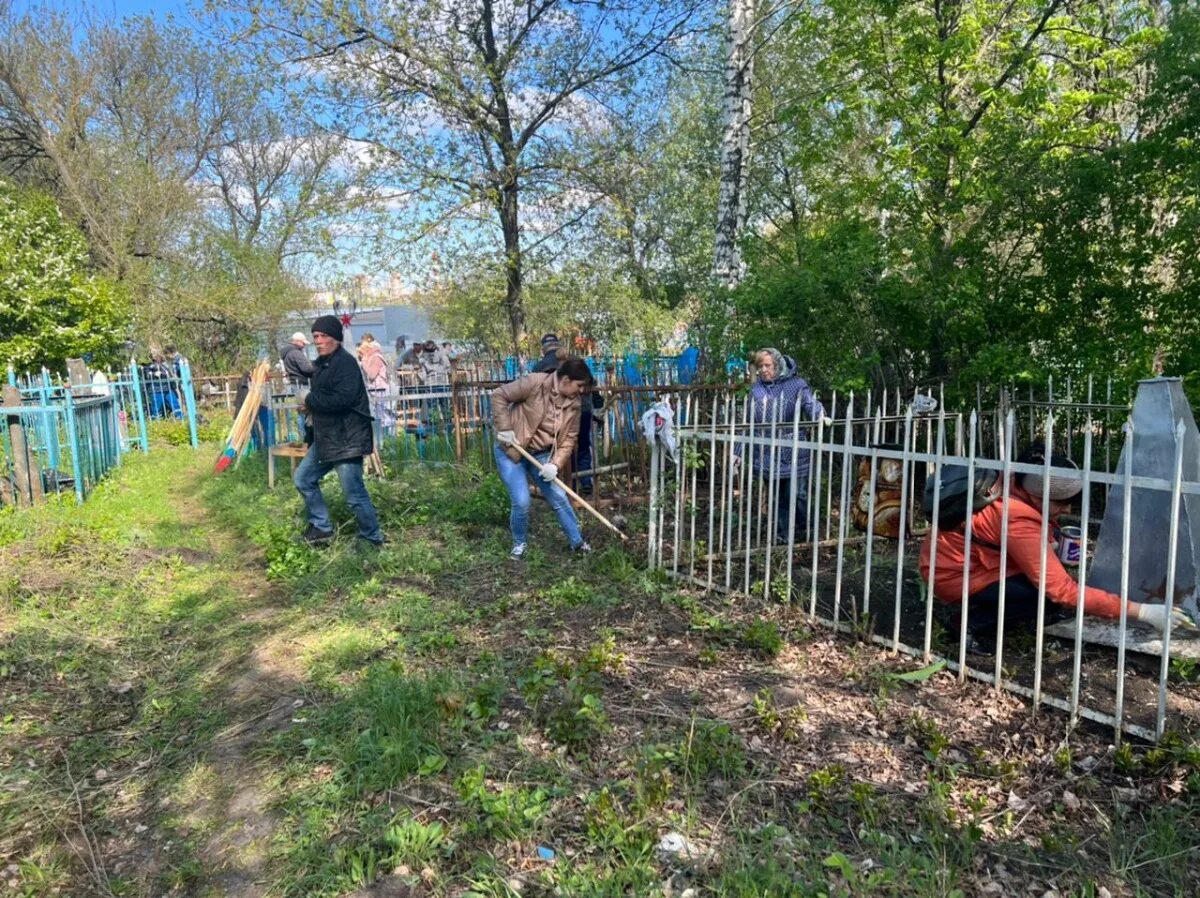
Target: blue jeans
(516, 476)
(162, 401)
(308, 482)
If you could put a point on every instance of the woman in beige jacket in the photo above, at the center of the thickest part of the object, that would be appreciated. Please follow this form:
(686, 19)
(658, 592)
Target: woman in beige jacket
(539, 413)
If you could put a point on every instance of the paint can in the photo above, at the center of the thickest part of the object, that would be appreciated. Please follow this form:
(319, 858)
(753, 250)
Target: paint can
(1070, 545)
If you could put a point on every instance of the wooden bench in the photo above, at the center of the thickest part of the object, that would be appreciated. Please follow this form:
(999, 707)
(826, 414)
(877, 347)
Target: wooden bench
(291, 451)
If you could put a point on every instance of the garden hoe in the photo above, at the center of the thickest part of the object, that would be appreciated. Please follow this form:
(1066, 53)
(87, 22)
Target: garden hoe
(574, 495)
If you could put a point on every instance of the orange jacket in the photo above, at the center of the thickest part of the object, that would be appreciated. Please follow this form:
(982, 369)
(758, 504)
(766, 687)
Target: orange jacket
(1024, 557)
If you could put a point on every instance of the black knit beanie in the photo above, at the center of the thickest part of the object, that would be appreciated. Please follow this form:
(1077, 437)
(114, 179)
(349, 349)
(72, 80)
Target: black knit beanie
(329, 326)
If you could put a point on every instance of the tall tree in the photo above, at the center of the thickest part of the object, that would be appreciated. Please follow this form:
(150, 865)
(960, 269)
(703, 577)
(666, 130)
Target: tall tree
(735, 141)
(471, 104)
(53, 304)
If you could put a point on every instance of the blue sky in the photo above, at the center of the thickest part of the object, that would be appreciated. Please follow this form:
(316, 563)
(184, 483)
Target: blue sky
(115, 8)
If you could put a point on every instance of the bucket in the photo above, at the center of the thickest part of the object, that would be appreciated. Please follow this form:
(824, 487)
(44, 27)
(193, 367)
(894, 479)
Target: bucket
(1070, 545)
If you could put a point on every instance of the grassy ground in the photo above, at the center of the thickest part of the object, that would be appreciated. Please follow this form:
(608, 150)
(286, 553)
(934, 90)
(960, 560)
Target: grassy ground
(193, 704)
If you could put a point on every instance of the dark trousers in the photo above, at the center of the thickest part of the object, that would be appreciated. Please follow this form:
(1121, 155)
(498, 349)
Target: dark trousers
(583, 448)
(1020, 608)
(784, 503)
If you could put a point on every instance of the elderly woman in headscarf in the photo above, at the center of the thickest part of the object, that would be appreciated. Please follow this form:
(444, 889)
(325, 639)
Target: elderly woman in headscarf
(376, 373)
(779, 396)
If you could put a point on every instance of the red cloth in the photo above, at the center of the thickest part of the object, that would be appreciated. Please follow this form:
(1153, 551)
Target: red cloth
(1024, 557)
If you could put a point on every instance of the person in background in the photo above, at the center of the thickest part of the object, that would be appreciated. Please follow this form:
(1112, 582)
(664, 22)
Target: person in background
(176, 359)
(1023, 549)
(160, 387)
(435, 366)
(297, 367)
(375, 370)
(540, 413)
(339, 436)
(411, 356)
(780, 396)
(550, 357)
(590, 402)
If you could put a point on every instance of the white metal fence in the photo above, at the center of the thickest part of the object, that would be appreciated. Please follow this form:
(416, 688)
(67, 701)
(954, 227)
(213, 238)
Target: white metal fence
(713, 521)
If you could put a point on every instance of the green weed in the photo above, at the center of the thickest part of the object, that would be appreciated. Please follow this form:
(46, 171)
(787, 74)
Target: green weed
(415, 843)
(501, 811)
(762, 637)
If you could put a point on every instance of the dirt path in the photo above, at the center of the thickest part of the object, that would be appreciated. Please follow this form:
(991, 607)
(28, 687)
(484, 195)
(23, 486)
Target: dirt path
(209, 824)
(262, 692)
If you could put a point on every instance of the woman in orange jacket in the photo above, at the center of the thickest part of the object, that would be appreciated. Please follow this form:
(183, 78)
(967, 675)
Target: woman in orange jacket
(1024, 550)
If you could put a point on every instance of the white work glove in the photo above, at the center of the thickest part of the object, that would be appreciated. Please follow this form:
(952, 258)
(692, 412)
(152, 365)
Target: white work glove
(827, 421)
(737, 464)
(1156, 616)
(506, 438)
(549, 471)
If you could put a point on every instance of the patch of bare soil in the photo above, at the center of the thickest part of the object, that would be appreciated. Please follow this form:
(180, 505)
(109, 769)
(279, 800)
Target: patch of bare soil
(828, 714)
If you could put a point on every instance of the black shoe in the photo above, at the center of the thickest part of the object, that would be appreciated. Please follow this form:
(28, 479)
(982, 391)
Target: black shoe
(318, 539)
(373, 544)
(980, 644)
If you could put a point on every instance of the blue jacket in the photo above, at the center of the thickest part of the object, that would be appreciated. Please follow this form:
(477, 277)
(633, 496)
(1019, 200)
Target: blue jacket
(787, 396)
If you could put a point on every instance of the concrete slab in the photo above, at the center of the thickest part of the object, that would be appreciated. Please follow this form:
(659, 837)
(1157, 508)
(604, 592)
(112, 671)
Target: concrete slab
(1139, 638)
(1158, 408)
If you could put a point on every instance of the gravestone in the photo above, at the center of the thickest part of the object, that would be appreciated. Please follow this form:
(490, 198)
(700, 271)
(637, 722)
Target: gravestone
(79, 376)
(1158, 409)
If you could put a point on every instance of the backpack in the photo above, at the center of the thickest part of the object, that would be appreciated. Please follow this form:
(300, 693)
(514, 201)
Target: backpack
(956, 493)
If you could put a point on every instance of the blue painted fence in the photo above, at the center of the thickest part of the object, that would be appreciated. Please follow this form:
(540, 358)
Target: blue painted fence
(74, 435)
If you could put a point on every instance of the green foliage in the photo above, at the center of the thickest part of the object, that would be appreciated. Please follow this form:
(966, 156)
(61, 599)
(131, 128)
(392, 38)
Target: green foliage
(963, 207)
(501, 811)
(393, 726)
(488, 504)
(712, 749)
(415, 843)
(762, 636)
(53, 306)
(287, 557)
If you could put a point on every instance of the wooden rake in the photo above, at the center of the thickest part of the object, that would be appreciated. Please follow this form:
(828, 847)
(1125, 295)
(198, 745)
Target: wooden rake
(570, 492)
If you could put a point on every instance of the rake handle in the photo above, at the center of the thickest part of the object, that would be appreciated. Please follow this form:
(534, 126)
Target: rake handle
(570, 492)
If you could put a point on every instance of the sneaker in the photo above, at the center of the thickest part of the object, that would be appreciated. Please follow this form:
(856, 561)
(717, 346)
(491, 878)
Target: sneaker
(517, 553)
(582, 549)
(317, 538)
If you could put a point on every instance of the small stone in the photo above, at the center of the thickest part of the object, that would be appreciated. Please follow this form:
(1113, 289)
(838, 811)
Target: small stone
(1016, 802)
(402, 870)
(503, 725)
(1071, 801)
(140, 828)
(676, 845)
(1103, 893)
(515, 884)
(100, 775)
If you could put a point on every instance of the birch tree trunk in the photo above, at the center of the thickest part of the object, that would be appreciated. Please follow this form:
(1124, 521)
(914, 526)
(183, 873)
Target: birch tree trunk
(735, 144)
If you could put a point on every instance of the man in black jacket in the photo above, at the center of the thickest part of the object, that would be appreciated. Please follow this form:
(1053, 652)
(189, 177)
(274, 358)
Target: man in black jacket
(549, 359)
(339, 437)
